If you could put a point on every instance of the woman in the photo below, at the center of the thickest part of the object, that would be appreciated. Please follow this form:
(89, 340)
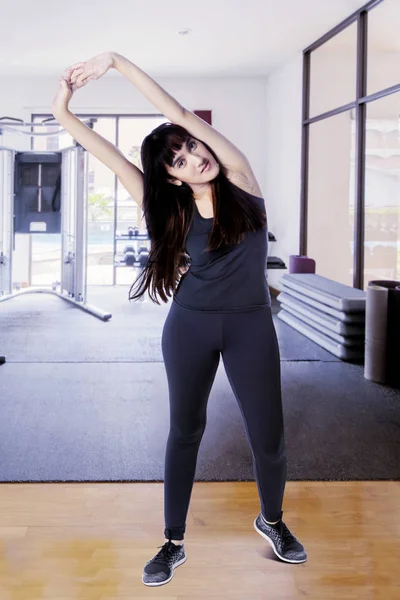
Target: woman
(207, 224)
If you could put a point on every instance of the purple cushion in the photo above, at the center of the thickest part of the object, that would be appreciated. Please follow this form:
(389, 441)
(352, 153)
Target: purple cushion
(301, 264)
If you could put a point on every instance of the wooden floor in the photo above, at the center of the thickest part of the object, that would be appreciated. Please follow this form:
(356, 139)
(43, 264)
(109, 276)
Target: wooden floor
(91, 541)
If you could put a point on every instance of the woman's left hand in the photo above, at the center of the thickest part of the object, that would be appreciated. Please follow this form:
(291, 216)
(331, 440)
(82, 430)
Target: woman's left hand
(79, 74)
(62, 97)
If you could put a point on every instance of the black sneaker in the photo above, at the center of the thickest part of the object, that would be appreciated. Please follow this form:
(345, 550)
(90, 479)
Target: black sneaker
(285, 545)
(160, 569)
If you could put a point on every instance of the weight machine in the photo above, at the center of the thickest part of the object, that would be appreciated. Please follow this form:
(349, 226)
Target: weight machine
(46, 192)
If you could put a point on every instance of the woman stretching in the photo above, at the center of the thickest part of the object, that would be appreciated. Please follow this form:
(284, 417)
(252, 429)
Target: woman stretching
(207, 223)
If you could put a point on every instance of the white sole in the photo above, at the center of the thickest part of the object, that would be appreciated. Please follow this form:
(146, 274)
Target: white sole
(180, 562)
(273, 547)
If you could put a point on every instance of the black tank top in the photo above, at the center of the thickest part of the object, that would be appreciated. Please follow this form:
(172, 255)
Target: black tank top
(230, 279)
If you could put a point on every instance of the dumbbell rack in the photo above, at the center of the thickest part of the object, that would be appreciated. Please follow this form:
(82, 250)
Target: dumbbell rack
(274, 262)
(130, 238)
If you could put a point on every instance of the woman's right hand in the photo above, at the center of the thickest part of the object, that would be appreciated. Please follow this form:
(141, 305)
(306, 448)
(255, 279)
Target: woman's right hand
(94, 68)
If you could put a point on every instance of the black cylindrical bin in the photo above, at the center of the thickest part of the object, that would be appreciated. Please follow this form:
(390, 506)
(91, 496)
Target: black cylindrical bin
(382, 332)
(393, 337)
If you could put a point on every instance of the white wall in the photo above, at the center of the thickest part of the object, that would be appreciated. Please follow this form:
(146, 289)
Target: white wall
(282, 156)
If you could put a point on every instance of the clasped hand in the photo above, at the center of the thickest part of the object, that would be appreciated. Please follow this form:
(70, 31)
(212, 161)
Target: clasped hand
(78, 74)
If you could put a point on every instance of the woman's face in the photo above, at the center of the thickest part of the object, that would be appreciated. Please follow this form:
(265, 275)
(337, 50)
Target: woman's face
(193, 164)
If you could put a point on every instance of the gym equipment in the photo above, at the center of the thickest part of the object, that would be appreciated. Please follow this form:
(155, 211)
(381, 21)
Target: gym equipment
(274, 262)
(132, 255)
(329, 313)
(334, 321)
(329, 292)
(129, 259)
(37, 185)
(330, 344)
(46, 192)
(133, 231)
(382, 336)
(133, 258)
(129, 249)
(143, 256)
(305, 301)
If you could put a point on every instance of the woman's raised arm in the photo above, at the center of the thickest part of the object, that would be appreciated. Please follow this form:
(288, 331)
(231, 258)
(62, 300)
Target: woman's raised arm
(94, 68)
(228, 154)
(129, 175)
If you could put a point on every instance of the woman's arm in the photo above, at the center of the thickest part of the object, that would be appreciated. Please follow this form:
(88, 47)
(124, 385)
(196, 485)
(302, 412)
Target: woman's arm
(129, 175)
(165, 103)
(228, 154)
(92, 141)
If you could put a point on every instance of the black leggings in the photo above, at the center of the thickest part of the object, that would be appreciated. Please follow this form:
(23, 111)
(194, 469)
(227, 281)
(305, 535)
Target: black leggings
(192, 342)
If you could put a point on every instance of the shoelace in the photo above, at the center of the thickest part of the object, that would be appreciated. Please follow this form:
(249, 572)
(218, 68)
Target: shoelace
(286, 533)
(165, 553)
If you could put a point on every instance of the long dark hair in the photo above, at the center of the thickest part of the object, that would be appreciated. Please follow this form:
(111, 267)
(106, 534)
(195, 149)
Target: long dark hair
(169, 211)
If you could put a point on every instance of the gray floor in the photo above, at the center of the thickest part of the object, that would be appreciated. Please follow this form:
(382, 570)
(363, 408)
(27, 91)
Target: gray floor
(84, 400)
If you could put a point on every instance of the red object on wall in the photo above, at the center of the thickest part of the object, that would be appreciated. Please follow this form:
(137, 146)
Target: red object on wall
(204, 114)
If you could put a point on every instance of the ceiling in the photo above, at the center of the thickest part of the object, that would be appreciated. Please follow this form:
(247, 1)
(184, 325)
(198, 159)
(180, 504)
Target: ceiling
(228, 38)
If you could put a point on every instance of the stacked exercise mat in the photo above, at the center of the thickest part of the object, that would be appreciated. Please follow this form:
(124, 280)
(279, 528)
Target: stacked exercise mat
(329, 313)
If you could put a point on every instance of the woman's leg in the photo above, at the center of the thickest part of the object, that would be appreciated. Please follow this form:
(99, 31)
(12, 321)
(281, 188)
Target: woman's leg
(252, 363)
(191, 351)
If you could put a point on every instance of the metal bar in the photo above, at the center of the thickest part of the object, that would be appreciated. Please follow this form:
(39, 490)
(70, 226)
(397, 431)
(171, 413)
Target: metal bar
(115, 205)
(359, 199)
(33, 124)
(40, 189)
(7, 148)
(30, 269)
(85, 162)
(378, 95)
(19, 121)
(305, 142)
(79, 225)
(351, 19)
(7, 159)
(100, 115)
(64, 219)
(362, 100)
(89, 308)
(33, 134)
(331, 113)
